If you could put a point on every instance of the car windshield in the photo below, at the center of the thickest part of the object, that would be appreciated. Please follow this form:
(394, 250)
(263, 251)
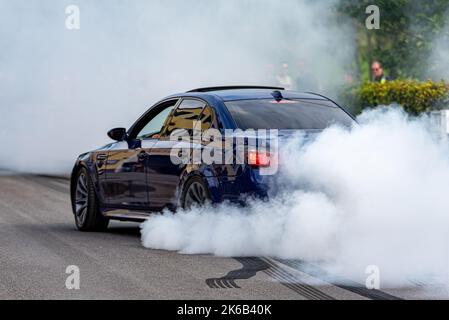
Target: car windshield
(287, 114)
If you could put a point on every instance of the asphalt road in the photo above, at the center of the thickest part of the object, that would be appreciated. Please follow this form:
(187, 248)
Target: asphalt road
(38, 241)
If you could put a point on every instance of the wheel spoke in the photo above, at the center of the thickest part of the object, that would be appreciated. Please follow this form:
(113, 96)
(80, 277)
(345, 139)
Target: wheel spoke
(199, 192)
(196, 195)
(81, 198)
(81, 208)
(193, 195)
(82, 186)
(202, 195)
(189, 200)
(82, 215)
(82, 193)
(79, 205)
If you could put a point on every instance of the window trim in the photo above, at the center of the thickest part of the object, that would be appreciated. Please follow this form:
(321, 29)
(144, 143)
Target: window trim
(149, 115)
(181, 100)
(213, 115)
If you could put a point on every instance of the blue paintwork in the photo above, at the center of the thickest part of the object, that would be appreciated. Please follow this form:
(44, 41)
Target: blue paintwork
(124, 182)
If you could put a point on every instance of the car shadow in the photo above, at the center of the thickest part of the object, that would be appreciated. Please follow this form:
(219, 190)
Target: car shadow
(130, 229)
(124, 230)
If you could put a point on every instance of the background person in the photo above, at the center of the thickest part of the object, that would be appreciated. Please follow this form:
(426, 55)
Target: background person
(377, 72)
(284, 79)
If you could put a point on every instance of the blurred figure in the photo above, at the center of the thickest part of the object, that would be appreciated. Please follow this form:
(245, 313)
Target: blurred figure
(378, 72)
(348, 78)
(283, 79)
(306, 80)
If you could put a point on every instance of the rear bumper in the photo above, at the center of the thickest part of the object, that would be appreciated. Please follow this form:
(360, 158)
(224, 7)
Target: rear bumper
(250, 184)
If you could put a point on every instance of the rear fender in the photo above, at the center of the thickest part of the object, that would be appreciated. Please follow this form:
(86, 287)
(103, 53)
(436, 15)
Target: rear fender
(88, 162)
(212, 183)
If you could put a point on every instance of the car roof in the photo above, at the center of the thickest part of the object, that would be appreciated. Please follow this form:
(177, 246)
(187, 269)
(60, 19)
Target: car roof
(247, 93)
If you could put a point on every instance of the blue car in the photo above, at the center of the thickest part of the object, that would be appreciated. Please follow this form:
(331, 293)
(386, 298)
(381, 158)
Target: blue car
(149, 167)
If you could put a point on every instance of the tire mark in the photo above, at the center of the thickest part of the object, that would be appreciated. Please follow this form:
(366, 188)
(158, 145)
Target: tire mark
(340, 282)
(249, 269)
(294, 283)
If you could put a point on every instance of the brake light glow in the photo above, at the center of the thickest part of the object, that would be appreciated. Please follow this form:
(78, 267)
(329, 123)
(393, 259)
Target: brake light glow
(258, 159)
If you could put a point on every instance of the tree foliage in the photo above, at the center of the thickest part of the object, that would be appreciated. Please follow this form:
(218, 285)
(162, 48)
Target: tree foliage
(404, 41)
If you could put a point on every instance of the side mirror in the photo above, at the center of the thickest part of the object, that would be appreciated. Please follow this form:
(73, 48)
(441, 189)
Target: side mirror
(117, 134)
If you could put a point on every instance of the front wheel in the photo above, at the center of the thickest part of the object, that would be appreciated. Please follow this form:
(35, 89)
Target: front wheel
(85, 205)
(195, 193)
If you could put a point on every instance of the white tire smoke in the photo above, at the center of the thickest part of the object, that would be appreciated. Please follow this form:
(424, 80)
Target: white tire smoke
(376, 194)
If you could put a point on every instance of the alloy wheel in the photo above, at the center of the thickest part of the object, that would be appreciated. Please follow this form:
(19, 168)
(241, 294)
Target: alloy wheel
(195, 195)
(81, 199)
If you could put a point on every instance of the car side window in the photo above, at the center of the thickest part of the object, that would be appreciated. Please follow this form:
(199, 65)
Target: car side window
(153, 128)
(208, 119)
(184, 116)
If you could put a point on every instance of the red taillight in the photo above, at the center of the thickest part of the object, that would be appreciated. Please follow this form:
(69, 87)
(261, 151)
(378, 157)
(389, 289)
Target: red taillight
(258, 159)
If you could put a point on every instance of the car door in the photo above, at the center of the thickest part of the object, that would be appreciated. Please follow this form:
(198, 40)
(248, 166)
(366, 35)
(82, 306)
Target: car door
(163, 173)
(126, 166)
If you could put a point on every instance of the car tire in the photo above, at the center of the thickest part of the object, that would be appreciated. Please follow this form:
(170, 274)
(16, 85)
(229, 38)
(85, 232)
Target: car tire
(195, 193)
(85, 205)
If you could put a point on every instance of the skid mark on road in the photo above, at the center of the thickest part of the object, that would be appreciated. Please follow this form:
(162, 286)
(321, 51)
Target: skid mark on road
(249, 269)
(294, 283)
(352, 286)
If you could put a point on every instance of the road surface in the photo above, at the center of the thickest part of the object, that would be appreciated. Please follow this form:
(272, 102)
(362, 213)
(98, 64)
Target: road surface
(38, 241)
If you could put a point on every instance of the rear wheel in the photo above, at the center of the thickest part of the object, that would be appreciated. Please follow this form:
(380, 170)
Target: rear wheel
(85, 205)
(195, 193)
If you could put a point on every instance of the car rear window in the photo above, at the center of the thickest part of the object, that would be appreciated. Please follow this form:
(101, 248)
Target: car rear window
(287, 114)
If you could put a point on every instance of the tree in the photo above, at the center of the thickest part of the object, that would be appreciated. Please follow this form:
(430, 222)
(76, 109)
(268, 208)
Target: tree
(404, 41)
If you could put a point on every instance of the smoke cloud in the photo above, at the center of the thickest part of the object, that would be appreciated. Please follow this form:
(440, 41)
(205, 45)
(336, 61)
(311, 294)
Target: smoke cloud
(61, 90)
(375, 194)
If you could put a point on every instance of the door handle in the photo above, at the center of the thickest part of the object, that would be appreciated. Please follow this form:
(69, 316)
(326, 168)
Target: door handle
(102, 157)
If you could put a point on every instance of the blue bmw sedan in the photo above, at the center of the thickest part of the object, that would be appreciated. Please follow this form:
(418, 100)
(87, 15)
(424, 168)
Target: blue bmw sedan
(205, 145)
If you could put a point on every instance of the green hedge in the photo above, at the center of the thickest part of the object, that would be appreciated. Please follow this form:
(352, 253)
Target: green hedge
(416, 97)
